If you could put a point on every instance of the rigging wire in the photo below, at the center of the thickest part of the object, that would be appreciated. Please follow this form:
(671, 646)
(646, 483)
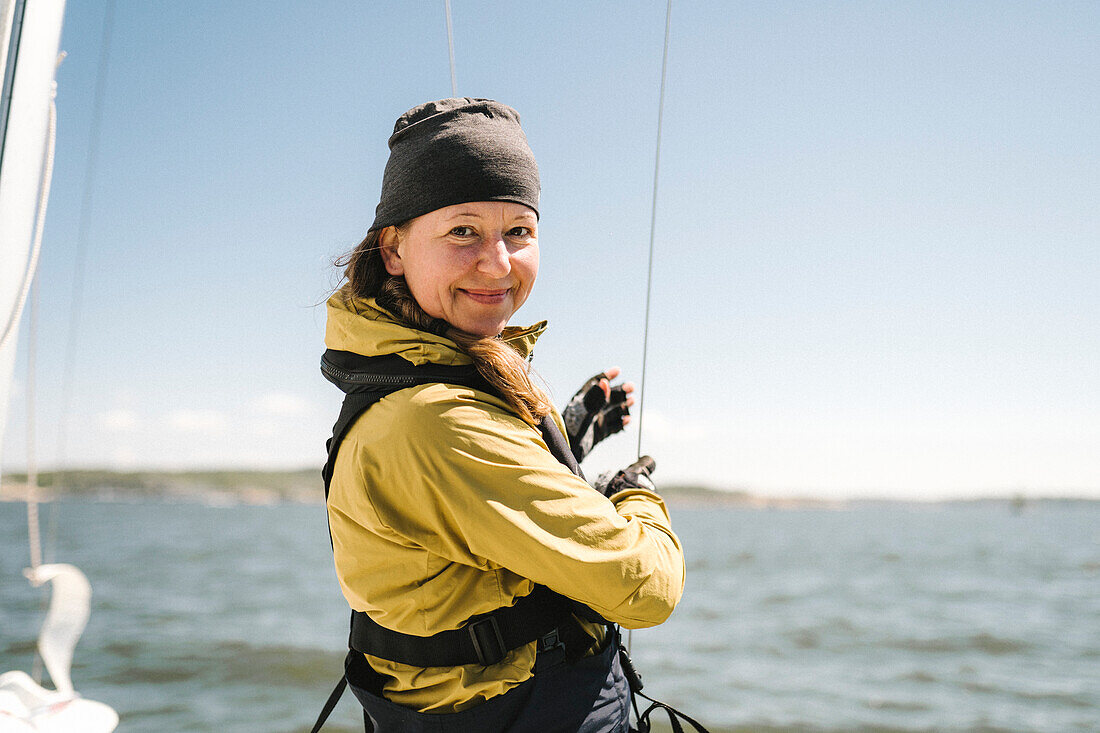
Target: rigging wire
(13, 17)
(451, 47)
(33, 534)
(652, 232)
(653, 224)
(79, 258)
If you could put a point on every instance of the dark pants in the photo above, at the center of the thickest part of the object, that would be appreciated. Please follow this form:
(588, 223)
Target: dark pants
(589, 695)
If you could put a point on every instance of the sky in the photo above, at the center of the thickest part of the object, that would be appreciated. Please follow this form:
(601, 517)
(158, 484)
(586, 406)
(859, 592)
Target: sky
(876, 246)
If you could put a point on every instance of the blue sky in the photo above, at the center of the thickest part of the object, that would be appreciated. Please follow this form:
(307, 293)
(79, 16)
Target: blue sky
(876, 245)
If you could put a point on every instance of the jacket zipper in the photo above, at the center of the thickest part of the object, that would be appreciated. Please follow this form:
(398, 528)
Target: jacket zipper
(363, 378)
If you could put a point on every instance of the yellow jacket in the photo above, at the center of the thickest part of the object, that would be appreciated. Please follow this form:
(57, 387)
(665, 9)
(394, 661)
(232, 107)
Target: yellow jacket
(444, 504)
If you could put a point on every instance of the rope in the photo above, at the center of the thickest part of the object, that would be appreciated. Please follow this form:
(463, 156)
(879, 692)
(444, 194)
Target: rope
(451, 47)
(653, 225)
(40, 220)
(24, 290)
(33, 534)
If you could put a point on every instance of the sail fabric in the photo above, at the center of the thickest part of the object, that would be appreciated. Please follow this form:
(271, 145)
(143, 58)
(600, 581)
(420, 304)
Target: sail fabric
(22, 150)
(27, 707)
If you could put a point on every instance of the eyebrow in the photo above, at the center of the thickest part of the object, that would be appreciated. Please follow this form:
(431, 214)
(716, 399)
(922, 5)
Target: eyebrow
(529, 215)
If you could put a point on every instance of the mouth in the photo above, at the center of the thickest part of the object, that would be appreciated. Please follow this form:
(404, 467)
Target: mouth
(486, 297)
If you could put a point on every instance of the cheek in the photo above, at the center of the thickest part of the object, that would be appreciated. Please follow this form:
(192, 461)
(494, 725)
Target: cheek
(435, 274)
(427, 284)
(529, 263)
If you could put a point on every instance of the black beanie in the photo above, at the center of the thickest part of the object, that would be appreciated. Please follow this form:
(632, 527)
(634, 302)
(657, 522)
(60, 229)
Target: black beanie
(453, 151)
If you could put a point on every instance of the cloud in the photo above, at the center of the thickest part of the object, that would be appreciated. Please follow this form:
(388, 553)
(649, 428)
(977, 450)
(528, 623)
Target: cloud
(661, 426)
(281, 404)
(124, 457)
(118, 420)
(197, 421)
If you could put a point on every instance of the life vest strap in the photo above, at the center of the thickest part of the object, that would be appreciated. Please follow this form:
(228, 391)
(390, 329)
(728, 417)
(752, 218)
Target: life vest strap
(330, 704)
(483, 640)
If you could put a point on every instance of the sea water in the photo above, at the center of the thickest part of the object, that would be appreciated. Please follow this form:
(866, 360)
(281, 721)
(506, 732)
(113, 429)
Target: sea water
(873, 618)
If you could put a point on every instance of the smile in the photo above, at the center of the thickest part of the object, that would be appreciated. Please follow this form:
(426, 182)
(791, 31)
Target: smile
(486, 297)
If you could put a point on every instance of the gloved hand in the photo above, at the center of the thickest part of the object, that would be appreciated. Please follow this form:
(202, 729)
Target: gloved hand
(596, 411)
(634, 476)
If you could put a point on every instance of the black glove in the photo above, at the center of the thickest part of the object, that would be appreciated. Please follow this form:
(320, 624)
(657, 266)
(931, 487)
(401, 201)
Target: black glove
(591, 416)
(634, 476)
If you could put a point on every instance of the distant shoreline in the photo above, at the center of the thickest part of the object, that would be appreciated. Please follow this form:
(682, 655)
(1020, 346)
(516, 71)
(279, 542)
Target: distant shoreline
(226, 487)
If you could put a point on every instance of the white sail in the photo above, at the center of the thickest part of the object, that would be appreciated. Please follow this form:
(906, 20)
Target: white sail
(28, 52)
(32, 35)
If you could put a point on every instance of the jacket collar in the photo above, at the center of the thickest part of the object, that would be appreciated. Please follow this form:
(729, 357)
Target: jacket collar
(363, 327)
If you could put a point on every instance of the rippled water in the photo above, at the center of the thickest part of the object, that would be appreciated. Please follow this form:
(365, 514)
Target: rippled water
(878, 618)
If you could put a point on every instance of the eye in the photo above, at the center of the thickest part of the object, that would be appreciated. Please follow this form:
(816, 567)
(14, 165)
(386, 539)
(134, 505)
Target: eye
(520, 232)
(462, 231)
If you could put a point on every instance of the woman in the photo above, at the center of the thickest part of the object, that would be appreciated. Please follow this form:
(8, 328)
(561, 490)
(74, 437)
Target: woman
(486, 576)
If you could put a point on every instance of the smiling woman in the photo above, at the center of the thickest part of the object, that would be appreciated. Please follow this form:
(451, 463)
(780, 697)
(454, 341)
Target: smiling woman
(487, 578)
(472, 264)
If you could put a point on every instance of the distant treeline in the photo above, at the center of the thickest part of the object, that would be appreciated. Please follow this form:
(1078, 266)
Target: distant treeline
(294, 485)
(300, 485)
(304, 485)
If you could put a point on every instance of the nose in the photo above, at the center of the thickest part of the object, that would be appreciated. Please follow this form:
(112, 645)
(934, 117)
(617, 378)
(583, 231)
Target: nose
(495, 258)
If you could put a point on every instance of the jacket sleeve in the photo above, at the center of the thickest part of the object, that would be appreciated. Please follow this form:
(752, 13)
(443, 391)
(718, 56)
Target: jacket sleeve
(480, 487)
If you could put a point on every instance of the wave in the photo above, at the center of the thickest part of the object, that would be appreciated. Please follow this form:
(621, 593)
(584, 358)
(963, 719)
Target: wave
(223, 662)
(898, 706)
(982, 642)
(918, 675)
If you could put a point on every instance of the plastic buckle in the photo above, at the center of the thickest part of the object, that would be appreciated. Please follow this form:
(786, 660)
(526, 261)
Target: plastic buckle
(488, 643)
(550, 641)
(551, 651)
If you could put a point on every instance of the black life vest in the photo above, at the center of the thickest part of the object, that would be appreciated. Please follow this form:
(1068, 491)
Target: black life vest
(486, 638)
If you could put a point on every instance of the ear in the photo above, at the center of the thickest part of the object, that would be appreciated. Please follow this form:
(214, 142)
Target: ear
(387, 247)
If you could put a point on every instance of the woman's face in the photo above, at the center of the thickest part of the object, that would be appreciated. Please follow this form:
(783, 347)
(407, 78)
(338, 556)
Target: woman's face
(472, 264)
